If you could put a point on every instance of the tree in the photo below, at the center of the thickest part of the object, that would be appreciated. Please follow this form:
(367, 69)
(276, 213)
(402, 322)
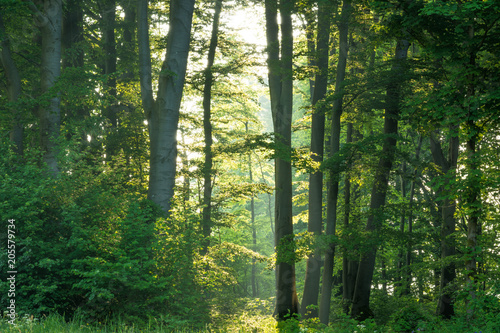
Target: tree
(315, 225)
(49, 112)
(333, 182)
(281, 92)
(409, 249)
(163, 113)
(252, 223)
(361, 300)
(13, 88)
(448, 167)
(72, 35)
(108, 25)
(207, 128)
(466, 95)
(75, 111)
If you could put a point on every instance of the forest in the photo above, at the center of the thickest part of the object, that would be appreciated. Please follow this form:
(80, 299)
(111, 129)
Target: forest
(250, 166)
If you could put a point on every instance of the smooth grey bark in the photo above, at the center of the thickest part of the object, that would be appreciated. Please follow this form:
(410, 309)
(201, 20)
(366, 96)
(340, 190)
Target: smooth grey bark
(127, 58)
(361, 300)
(252, 224)
(333, 181)
(473, 192)
(269, 200)
(399, 284)
(254, 235)
(163, 114)
(349, 266)
(315, 223)
(309, 28)
(407, 272)
(473, 201)
(49, 114)
(207, 130)
(144, 57)
(186, 184)
(108, 26)
(73, 58)
(13, 89)
(281, 93)
(448, 166)
(403, 278)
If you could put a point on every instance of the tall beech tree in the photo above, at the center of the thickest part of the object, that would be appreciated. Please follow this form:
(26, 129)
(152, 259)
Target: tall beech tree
(406, 274)
(207, 128)
(163, 113)
(334, 177)
(49, 20)
(315, 224)
(473, 202)
(50, 116)
(108, 26)
(279, 60)
(448, 165)
(74, 46)
(14, 88)
(252, 222)
(361, 299)
(129, 33)
(349, 262)
(72, 34)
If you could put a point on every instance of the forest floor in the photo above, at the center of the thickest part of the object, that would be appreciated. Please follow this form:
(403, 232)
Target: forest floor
(57, 324)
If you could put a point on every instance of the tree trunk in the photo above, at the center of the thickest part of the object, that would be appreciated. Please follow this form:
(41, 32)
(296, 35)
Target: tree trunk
(252, 224)
(448, 166)
(269, 201)
(473, 192)
(400, 283)
(50, 22)
(207, 130)
(144, 57)
(186, 184)
(110, 58)
(163, 114)
(13, 89)
(407, 271)
(72, 35)
(73, 57)
(473, 202)
(333, 182)
(281, 92)
(313, 266)
(349, 266)
(310, 18)
(128, 58)
(361, 300)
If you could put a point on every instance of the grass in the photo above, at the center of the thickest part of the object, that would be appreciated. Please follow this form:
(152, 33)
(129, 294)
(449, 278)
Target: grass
(243, 323)
(57, 324)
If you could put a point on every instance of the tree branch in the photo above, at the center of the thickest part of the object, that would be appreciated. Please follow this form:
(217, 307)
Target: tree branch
(40, 18)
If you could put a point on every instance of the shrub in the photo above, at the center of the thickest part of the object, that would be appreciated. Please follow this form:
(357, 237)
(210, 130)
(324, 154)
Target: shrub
(84, 244)
(407, 319)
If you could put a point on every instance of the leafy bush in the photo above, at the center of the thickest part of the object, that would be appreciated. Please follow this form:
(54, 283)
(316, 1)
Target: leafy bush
(407, 319)
(83, 245)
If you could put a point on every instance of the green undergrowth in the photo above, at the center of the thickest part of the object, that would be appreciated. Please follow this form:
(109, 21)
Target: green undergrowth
(57, 323)
(251, 323)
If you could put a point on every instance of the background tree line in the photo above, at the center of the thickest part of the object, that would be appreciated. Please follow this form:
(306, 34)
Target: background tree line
(345, 163)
